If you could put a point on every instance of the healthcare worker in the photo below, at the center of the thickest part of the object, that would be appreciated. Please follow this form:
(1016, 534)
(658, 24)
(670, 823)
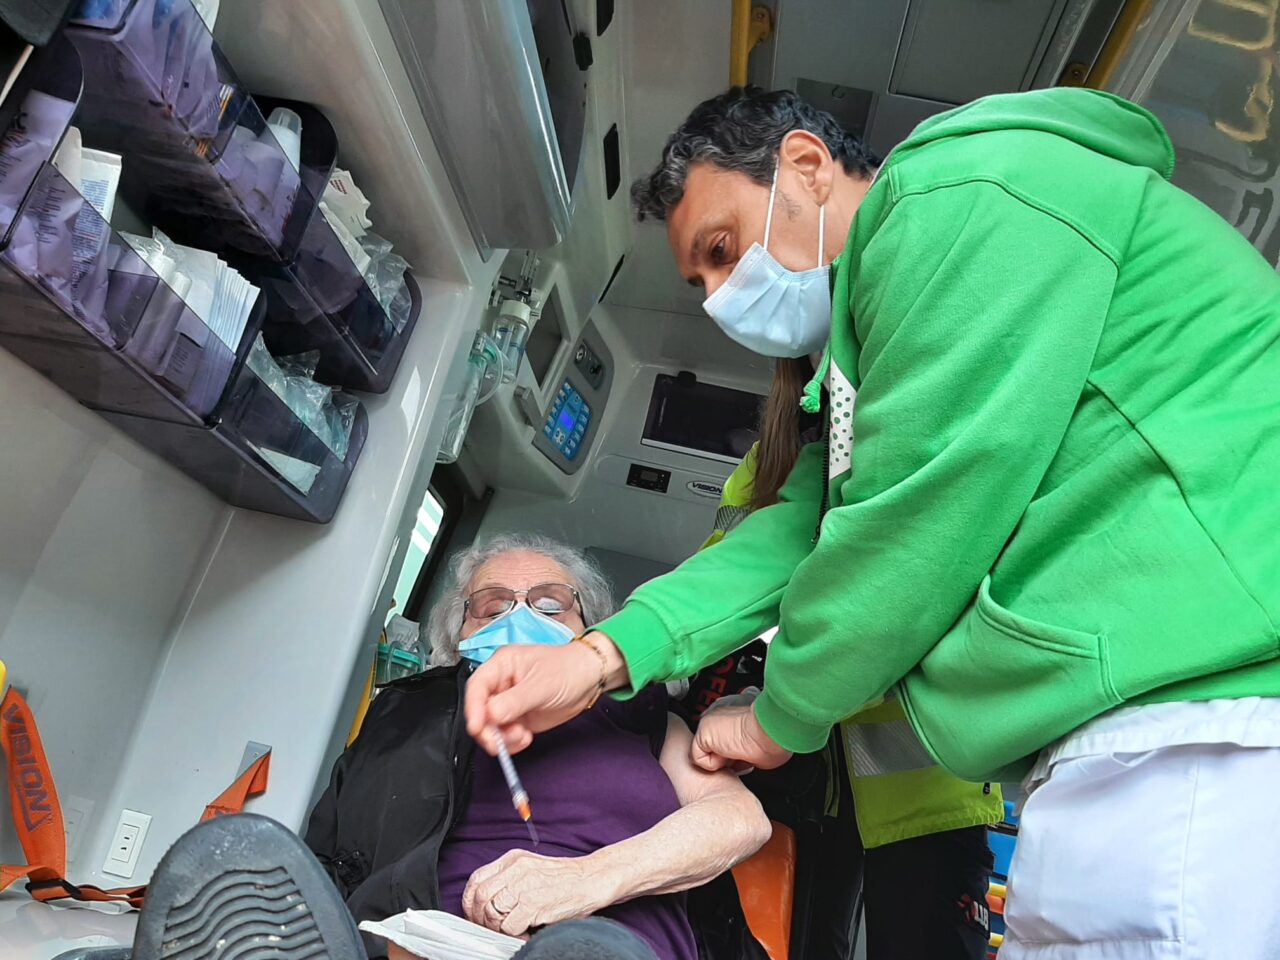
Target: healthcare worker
(904, 832)
(1050, 525)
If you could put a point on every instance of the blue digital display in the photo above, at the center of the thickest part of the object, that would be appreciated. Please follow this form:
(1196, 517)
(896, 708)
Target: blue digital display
(566, 419)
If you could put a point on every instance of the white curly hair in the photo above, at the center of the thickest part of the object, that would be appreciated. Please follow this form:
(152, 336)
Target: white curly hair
(445, 623)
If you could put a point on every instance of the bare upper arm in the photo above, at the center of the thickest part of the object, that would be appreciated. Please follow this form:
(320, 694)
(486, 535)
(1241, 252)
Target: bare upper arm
(692, 782)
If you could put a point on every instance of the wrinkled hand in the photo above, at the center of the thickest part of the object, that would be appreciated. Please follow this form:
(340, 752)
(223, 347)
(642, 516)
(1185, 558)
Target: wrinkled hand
(521, 891)
(732, 737)
(526, 689)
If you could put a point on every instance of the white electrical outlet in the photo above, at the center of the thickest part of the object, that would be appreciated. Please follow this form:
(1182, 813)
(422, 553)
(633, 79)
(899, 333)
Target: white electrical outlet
(75, 811)
(126, 844)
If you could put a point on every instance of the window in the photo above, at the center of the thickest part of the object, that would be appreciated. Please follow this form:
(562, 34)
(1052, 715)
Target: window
(422, 538)
(460, 515)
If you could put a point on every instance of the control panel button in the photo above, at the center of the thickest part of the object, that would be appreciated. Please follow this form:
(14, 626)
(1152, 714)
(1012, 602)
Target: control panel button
(568, 421)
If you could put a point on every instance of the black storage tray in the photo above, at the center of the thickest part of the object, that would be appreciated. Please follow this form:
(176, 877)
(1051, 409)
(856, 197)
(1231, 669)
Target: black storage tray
(225, 456)
(206, 169)
(82, 308)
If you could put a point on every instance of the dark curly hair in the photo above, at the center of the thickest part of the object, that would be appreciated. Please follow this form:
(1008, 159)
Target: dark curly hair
(742, 130)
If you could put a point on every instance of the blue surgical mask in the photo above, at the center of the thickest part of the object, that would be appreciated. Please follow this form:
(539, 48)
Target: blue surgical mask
(520, 625)
(772, 310)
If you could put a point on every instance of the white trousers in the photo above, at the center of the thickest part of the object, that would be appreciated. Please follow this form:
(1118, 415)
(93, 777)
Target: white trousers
(1172, 854)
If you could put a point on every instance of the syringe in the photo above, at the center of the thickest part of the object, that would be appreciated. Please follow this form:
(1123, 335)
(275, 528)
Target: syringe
(519, 798)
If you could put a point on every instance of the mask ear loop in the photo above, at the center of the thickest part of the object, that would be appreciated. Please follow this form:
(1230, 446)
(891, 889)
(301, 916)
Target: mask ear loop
(773, 190)
(822, 232)
(768, 220)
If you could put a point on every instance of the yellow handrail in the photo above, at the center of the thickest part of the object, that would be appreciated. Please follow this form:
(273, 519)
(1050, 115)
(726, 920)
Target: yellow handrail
(1122, 34)
(749, 27)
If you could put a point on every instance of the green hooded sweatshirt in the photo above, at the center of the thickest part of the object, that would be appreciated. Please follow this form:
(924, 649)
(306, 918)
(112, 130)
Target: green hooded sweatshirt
(899, 792)
(1059, 491)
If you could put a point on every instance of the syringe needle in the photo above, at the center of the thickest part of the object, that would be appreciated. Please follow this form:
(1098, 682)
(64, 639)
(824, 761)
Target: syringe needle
(519, 798)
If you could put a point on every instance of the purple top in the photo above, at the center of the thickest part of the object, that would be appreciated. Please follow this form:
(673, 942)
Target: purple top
(592, 782)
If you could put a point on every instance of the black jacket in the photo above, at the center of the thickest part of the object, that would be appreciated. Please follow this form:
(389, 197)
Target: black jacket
(399, 789)
(394, 796)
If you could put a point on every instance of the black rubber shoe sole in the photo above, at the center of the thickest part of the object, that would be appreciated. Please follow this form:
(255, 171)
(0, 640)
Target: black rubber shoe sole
(243, 888)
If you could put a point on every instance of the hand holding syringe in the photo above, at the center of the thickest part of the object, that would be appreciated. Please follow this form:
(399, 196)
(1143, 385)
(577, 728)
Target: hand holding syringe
(519, 798)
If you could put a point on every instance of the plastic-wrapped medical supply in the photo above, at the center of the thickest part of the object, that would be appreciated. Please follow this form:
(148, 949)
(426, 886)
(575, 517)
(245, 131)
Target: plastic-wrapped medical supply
(385, 276)
(345, 207)
(328, 413)
(402, 651)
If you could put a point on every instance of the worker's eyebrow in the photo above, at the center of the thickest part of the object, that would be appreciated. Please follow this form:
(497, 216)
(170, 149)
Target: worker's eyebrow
(695, 255)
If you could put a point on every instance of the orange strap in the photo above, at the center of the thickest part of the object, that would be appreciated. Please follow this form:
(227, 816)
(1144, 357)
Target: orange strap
(767, 888)
(251, 783)
(38, 815)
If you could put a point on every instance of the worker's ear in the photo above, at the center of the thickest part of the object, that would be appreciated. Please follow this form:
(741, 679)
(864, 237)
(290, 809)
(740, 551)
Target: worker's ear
(809, 163)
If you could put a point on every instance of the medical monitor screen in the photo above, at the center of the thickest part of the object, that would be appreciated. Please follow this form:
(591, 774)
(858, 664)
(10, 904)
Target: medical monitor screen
(701, 419)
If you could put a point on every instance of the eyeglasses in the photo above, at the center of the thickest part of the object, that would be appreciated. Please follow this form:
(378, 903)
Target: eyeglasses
(552, 599)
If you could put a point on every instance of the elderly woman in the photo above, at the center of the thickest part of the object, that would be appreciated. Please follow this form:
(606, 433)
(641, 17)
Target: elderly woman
(415, 818)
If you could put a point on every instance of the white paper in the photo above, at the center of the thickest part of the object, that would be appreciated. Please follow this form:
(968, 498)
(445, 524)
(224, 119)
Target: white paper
(299, 473)
(67, 159)
(81, 169)
(434, 935)
(347, 202)
(99, 179)
(219, 295)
